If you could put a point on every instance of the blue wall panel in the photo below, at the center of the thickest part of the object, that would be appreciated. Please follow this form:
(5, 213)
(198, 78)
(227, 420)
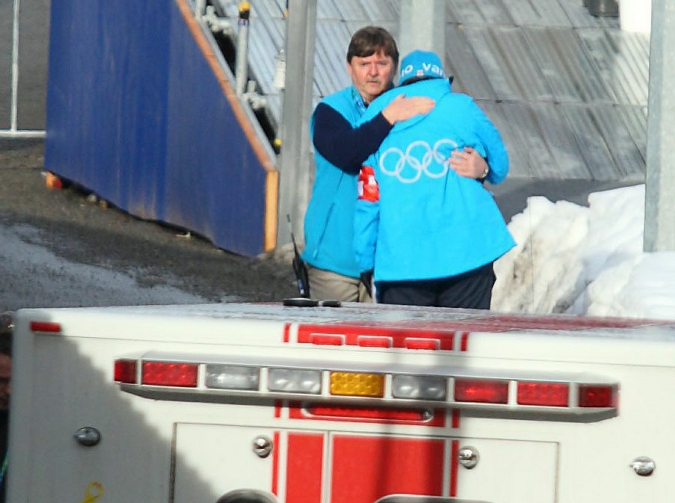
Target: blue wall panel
(136, 114)
(214, 180)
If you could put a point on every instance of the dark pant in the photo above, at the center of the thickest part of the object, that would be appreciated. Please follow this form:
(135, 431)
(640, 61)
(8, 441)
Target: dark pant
(471, 290)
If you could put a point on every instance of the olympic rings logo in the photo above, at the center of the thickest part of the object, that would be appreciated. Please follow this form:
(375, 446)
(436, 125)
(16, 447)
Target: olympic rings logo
(419, 158)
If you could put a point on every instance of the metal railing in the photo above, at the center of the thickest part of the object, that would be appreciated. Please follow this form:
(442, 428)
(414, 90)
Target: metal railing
(14, 131)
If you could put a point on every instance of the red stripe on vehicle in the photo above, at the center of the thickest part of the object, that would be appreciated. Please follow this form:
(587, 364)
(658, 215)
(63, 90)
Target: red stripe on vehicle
(287, 332)
(421, 344)
(353, 414)
(326, 340)
(304, 467)
(45, 326)
(443, 328)
(275, 464)
(455, 418)
(464, 344)
(367, 341)
(454, 467)
(351, 335)
(366, 469)
(295, 410)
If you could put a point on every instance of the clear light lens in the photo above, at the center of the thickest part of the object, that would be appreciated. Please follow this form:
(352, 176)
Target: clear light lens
(232, 377)
(295, 381)
(418, 387)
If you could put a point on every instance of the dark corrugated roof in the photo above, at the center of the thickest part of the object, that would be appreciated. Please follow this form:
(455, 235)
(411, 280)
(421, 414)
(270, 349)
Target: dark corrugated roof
(568, 90)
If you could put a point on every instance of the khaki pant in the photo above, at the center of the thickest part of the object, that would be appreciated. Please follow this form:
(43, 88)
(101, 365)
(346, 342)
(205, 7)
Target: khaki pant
(326, 285)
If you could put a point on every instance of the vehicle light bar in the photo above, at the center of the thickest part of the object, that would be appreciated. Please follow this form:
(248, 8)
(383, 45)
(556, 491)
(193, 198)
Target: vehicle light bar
(419, 387)
(405, 415)
(232, 377)
(598, 396)
(357, 384)
(45, 326)
(169, 374)
(481, 391)
(543, 393)
(125, 371)
(294, 380)
(161, 375)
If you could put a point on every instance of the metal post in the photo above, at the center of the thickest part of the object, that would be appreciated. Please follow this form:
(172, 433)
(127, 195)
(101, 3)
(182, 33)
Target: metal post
(200, 8)
(659, 233)
(295, 162)
(422, 26)
(13, 131)
(241, 68)
(15, 66)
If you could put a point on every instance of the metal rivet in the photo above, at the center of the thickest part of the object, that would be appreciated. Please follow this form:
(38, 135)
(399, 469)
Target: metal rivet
(643, 466)
(468, 457)
(262, 446)
(88, 436)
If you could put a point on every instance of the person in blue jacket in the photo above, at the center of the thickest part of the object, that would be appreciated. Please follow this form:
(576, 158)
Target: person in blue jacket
(430, 234)
(340, 149)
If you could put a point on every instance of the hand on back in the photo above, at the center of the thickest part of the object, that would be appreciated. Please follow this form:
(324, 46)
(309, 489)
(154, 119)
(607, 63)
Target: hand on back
(402, 108)
(468, 163)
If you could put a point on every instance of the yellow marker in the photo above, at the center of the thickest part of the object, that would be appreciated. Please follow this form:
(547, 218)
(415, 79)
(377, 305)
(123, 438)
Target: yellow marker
(93, 492)
(356, 384)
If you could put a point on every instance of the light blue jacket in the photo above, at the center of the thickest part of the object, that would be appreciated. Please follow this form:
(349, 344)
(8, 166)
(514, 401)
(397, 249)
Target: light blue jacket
(329, 220)
(429, 222)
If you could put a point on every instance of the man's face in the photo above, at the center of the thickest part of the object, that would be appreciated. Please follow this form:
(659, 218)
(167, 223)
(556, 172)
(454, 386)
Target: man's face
(371, 75)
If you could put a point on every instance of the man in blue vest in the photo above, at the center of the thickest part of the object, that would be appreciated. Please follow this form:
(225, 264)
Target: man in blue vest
(431, 234)
(340, 149)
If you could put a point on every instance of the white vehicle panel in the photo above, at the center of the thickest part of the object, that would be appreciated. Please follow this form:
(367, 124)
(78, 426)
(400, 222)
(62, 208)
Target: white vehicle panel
(169, 443)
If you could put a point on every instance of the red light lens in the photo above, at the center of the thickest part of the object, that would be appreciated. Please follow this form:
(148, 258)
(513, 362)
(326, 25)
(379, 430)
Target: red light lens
(125, 371)
(170, 374)
(401, 415)
(481, 391)
(421, 344)
(591, 395)
(543, 393)
(327, 340)
(45, 326)
(374, 342)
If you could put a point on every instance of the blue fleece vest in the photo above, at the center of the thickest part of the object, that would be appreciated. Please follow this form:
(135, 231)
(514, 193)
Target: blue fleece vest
(329, 220)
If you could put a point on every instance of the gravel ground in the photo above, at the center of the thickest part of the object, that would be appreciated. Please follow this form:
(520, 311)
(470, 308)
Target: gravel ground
(76, 227)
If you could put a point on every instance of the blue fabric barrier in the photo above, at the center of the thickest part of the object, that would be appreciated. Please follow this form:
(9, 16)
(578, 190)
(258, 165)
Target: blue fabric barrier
(139, 113)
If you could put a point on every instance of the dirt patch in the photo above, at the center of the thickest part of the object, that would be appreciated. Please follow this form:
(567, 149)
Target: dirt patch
(79, 227)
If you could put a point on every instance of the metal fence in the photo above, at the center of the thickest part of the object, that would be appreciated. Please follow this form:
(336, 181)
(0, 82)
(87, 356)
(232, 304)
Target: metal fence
(24, 42)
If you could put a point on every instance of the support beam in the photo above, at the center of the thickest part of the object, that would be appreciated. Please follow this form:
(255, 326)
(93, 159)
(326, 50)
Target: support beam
(422, 26)
(659, 233)
(295, 163)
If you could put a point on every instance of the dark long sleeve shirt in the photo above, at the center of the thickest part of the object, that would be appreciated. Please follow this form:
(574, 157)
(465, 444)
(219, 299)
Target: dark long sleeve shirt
(344, 145)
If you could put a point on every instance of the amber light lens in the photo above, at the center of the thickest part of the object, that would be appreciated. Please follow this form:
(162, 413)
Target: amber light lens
(356, 384)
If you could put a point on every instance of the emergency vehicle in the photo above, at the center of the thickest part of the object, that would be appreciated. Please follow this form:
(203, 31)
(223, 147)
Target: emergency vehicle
(301, 402)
